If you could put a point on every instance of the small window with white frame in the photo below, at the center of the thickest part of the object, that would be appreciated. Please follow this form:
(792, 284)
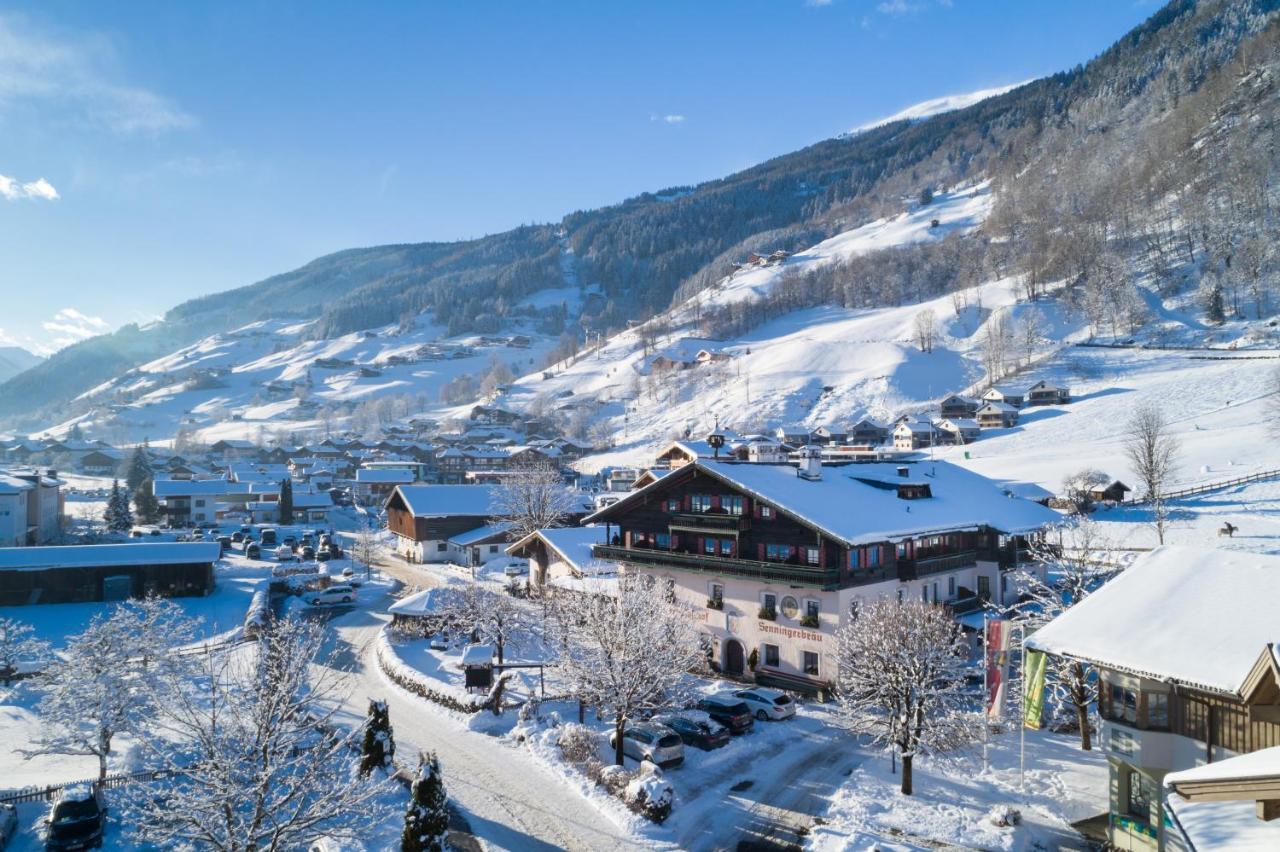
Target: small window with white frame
(810, 663)
(771, 655)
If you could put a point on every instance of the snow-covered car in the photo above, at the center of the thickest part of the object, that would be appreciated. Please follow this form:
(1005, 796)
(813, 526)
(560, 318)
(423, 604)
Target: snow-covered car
(284, 553)
(728, 710)
(768, 704)
(333, 595)
(252, 550)
(654, 743)
(514, 569)
(76, 820)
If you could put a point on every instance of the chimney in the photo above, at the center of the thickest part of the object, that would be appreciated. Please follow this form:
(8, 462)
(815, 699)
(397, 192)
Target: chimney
(810, 463)
(902, 471)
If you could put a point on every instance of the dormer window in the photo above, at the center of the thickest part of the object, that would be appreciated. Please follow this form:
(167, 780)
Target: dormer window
(914, 491)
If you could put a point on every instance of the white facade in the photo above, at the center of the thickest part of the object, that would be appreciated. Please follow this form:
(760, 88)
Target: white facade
(13, 514)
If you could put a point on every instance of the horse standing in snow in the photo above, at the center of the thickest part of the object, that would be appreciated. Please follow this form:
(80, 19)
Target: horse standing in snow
(1228, 529)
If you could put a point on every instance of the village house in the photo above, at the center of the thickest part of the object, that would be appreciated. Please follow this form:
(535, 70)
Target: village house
(868, 432)
(425, 517)
(14, 494)
(374, 485)
(105, 572)
(959, 430)
(830, 435)
(480, 546)
(1043, 393)
(1183, 642)
(1008, 396)
(773, 558)
(100, 462)
(563, 557)
(36, 506)
(796, 436)
(915, 435)
(997, 415)
(958, 407)
(189, 502)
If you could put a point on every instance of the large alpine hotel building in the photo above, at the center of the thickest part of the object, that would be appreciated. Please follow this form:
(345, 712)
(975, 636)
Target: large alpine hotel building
(775, 557)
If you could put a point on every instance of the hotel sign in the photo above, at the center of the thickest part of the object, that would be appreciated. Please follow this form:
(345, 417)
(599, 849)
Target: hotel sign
(790, 632)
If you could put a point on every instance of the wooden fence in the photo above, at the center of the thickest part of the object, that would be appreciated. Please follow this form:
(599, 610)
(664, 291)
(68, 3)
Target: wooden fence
(1204, 488)
(51, 791)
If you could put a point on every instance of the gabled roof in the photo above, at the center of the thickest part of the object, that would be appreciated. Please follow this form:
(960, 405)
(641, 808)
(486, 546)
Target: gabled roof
(1205, 616)
(573, 544)
(90, 555)
(384, 475)
(847, 507)
(481, 535)
(1002, 407)
(443, 501)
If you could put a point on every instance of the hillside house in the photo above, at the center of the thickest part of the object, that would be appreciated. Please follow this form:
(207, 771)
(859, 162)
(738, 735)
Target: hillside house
(1005, 395)
(1112, 493)
(14, 494)
(958, 407)
(563, 557)
(424, 518)
(1183, 642)
(959, 430)
(915, 435)
(773, 558)
(1044, 393)
(997, 415)
(188, 502)
(100, 462)
(830, 435)
(868, 432)
(796, 436)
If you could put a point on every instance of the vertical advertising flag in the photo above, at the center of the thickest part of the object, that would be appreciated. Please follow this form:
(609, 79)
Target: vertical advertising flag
(997, 653)
(1033, 697)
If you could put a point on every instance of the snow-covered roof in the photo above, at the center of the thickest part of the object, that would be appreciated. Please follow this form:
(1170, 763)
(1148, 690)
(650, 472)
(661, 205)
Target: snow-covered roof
(189, 487)
(1225, 825)
(859, 504)
(384, 475)
(479, 534)
(477, 655)
(448, 500)
(574, 546)
(1264, 763)
(996, 406)
(422, 603)
(1206, 615)
(91, 555)
(308, 500)
(13, 485)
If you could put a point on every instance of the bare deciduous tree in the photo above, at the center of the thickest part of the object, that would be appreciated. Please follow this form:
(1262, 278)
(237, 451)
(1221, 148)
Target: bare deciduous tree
(1153, 452)
(925, 328)
(902, 679)
(534, 497)
(1078, 488)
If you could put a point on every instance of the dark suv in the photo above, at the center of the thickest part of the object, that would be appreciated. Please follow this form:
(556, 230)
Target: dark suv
(77, 821)
(730, 711)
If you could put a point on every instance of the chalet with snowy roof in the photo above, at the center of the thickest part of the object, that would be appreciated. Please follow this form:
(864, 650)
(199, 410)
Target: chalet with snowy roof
(796, 436)
(956, 406)
(773, 557)
(188, 502)
(1044, 393)
(1183, 642)
(481, 545)
(1008, 396)
(958, 430)
(14, 496)
(105, 572)
(686, 353)
(232, 448)
(100, 462)
(869, 432)
(374, 485)
(563, 557)
(997, 415)
(425, 517)
(830, 435)
(915, 435)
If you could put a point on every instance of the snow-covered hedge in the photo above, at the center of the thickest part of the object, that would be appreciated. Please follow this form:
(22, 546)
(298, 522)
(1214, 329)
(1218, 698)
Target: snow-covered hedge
(644, 791)
(411, 679)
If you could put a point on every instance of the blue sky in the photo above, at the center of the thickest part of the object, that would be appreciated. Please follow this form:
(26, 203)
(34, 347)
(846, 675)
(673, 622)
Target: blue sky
(155, 151)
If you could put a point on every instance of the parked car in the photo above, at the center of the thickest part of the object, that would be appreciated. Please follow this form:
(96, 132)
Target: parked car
(284, 553)
(333, 595)
(308, 552)
(514, 569)
(237, 536)
(323, 555)
(291, 540)
(252, 550)
(268, 537)
(224, 541)
(326, 540)
(705, 735)
(76, 820)
(655, 743)
(768, 704)
(335, 550)
(728, 710)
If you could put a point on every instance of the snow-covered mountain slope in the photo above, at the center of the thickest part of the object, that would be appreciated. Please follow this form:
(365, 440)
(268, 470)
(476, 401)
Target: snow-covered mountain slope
(937, 106)
(14, 360)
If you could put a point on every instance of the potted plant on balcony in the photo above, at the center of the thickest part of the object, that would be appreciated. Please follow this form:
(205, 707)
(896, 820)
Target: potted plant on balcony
(768, 613)
(809, 621)
(715, 603)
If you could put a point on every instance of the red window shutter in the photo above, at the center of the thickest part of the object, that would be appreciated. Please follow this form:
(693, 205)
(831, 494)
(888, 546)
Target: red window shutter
(688, 502)
(701, 544)
(675, 541)
(627, 537)
(755, 509)
(760, 551)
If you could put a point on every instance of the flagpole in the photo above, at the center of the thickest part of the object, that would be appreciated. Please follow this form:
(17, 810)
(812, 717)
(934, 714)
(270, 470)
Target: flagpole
(986, 690)
(1022, 715)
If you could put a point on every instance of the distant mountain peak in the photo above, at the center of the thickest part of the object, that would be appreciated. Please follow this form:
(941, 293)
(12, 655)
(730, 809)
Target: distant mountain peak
(937, 106)
(15, 360)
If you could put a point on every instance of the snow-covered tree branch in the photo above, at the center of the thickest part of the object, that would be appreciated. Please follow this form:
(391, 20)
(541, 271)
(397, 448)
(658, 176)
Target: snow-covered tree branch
(534, 497)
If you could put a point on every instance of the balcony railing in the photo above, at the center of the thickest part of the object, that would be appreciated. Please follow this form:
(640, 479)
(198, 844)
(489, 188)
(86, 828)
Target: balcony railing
(911, 569)
(822, 578)
(710, 522)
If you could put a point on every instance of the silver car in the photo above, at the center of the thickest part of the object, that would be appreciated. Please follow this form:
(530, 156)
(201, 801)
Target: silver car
(655, 743)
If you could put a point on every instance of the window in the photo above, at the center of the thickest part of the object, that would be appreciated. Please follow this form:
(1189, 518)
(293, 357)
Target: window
(1139, 803)
(873, 556)
(673, 504)
(493, 548)
(769, 601)
(984, 586)
(811, 663)
(777, 552)
(812, 608)
(902, 550)
(935, 592)
(813, 555)
(726, 547)
(1123, 705)
(710, 546)
(1157, 710)
(662, 540)
(700, 502)
(200, 504)
(732, 504)
(766, 512)
(442, 546)
(951, 587)
(771, 655)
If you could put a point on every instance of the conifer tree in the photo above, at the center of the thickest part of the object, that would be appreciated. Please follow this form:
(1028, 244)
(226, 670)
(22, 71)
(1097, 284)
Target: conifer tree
(145, 503)
(286, 501)
(379, 748)
(118, 516)
(427, 820)
(139, 469)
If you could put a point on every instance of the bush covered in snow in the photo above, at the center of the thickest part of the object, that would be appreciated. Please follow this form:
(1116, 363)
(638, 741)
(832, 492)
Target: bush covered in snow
(577, 743)
(649, 794)
(1004, 816)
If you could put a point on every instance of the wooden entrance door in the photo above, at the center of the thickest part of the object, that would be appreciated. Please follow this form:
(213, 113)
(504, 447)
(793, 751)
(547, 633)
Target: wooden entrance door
(733, 658)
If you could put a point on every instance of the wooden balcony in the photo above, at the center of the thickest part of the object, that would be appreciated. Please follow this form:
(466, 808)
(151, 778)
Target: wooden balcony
(710, 522)
(799, 575)
(913, 569)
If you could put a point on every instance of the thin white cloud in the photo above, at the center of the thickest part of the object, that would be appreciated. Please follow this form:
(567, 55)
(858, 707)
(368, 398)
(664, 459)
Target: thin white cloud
(12, 189)
(70, 326)
(81, 76)
(897, 7)
(670, 118)
(817, 3)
